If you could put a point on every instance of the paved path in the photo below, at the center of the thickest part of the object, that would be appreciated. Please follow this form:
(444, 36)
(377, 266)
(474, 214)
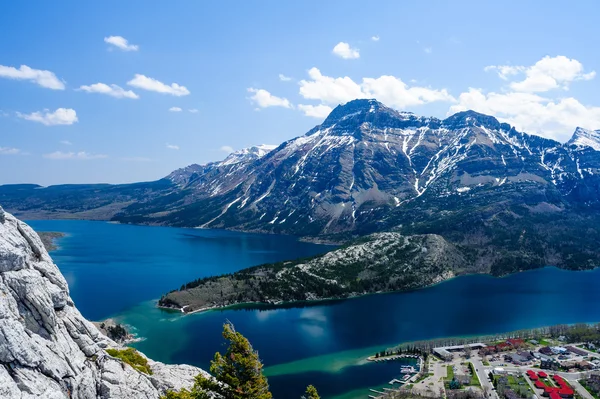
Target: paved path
(581, 390)
(483, 378)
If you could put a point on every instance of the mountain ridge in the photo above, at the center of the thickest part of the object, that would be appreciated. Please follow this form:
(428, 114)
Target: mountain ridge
(361, 164)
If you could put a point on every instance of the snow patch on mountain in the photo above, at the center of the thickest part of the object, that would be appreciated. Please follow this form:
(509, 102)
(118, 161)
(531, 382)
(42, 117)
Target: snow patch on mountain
(586, 138)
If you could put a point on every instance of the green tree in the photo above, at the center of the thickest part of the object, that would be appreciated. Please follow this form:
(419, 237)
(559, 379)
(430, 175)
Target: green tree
(239, 372)
(311, 393)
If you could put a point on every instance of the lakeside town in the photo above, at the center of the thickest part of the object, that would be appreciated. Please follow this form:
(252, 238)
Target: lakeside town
(559, 362)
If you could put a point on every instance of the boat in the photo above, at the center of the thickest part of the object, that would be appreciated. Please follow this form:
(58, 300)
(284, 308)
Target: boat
(408, 370)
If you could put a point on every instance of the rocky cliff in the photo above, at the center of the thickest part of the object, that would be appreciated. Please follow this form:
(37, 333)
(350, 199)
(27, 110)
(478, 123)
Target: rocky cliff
(47, 348)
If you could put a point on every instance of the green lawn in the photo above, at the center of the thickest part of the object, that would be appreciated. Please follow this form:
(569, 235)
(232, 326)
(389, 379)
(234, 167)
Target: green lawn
(449, 373)
(518, 383)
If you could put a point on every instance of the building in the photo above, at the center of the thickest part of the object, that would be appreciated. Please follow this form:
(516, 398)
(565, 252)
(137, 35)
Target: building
(546, 351)
(515, 342)
(557, 350)
(576, 351)
(539, 384)
(446, 352)
(443, 354)
(532, 375)
(550, 364)
(541, 374)
(516, 358)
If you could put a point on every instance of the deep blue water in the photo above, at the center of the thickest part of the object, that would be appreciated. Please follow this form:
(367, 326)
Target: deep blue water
(115, 269)
(111, 267)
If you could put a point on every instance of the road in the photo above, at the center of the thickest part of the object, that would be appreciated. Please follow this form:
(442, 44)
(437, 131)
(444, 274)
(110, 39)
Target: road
(581, 390)
(482, 373)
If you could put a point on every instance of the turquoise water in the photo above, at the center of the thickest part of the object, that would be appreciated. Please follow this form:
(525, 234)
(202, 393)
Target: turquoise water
(117, 270)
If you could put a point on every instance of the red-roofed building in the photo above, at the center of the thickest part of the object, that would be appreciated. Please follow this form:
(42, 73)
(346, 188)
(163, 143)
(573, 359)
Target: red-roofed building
(542, 374)
(557, 378)
(503, 346)
(554, 395)
(515, 341)
(540, 384)
(566, 392)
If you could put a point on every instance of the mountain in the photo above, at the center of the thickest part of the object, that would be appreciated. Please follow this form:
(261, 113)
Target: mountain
(361, 171)
(47, 348)
(585, 138)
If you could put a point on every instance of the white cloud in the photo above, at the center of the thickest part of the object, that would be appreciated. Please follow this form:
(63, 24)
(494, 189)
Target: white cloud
(505, 71)
(284, 78)
(388, 89)
(172, 146)
(343, 50)
(175, 109)
(62, 116)
(517, 103)
(547, 74)
(150, 84)
(43, 78)
(553, 118)
(316, 111)
(9, 151)
(226, 148)
(264, 99)
(66, 142)
(329, 90)
(81, 155)
(428, 50)
(193, 110)
(375, 38)
(121, 42)
(112, 90)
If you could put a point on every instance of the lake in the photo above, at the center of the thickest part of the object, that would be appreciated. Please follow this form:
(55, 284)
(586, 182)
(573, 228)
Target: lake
(120, 271)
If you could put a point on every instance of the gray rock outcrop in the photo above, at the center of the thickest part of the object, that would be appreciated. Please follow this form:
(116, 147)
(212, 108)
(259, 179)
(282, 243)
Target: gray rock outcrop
(47, 348)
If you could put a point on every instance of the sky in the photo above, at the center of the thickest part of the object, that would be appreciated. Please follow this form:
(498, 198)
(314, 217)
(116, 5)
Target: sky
(117, 92)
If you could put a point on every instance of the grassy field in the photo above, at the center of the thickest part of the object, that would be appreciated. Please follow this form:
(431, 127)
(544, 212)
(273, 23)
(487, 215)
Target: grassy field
(449, 373)
(518, 384)
(474, 379)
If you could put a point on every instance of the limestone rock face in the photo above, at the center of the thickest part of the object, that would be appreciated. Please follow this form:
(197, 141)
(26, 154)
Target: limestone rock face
(47, 348)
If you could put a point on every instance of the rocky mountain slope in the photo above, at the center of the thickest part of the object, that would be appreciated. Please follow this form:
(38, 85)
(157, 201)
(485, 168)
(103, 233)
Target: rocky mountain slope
(376, 263)
(47, 348)
(358, 172)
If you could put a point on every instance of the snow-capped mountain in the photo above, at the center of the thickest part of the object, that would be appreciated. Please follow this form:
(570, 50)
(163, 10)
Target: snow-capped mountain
(366, 166)
(586, 138)
(188, 174)
(364, 161)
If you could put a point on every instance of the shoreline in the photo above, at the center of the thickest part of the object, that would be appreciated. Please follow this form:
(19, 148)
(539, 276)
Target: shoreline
(71, 217)
(50, 239)
(317, 302)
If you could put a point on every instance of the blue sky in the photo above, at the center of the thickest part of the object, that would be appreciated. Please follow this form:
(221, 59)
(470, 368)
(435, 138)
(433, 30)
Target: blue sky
(529, 63)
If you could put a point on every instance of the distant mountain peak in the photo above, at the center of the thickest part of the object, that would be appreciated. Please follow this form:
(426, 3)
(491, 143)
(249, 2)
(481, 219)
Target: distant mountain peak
(472, 118)
(352, 108)
(585, 138)
(248, 154)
